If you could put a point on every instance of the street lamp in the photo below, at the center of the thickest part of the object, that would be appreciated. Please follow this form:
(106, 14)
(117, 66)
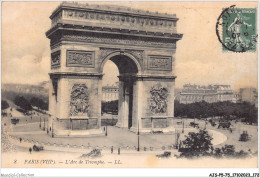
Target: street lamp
(52, 132)
(40, 122)
(44, 124)
(106, 128)
(182, 126)
(138, 139)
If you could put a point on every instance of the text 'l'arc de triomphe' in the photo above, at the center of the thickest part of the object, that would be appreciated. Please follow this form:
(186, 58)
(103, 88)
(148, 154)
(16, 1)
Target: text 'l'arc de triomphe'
(142, 44)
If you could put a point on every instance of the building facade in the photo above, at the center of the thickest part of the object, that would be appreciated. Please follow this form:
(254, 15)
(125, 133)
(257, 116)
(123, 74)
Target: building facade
(210, 93)
(110, 93)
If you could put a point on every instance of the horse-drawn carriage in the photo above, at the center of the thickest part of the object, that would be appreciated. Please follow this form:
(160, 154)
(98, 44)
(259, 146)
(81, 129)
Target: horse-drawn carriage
(15, 121)
(193, 124)
(224, 125)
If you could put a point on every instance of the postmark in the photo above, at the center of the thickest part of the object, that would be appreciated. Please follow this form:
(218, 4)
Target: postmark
(236, 29)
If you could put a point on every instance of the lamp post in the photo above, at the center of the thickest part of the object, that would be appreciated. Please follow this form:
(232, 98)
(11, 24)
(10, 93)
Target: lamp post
(52, 132)
(106, 128)
(40, 122)
(138, 139)
(44, 124)
(182, 126)
(174, 141)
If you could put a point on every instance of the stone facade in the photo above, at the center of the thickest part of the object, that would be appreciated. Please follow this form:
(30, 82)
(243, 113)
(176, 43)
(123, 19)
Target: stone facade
(110, 93)
(210, 93)
(141, 44)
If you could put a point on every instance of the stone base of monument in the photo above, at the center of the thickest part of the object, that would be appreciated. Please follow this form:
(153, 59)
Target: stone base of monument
(79, 133)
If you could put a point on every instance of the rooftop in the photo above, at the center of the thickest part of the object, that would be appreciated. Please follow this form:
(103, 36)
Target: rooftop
(111, 8)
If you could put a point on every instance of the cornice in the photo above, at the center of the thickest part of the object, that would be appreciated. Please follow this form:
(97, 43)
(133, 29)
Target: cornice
(113, 9)
(128, 32)
(74, 74)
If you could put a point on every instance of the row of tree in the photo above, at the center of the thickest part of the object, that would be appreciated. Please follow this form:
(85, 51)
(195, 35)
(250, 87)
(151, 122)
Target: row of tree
(26, 105)
(4, 104)
(110, 107)
(22, 103)
(226, 110)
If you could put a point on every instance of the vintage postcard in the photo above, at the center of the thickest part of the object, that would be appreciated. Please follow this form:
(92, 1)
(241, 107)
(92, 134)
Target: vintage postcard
(129, 84)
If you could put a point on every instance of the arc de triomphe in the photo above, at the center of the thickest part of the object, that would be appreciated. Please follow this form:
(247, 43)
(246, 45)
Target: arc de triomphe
(142, 45)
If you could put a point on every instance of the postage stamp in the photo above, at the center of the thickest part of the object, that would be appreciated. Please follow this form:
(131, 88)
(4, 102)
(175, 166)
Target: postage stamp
(236, 29)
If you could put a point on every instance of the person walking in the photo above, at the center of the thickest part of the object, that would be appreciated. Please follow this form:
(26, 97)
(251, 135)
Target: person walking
(230, 129)
(118, 150)
(112, 149)
(20, 140)
(30, 150)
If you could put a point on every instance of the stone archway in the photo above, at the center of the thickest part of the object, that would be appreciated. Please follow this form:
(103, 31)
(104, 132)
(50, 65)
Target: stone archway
(141, 44)
(128, 67)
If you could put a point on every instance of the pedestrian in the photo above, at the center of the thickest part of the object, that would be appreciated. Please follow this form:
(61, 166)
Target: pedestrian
(30, 150)
(118, 150)
(112, 149)
(212, 149)
(180, 145)
(230, 130)
(20, 140)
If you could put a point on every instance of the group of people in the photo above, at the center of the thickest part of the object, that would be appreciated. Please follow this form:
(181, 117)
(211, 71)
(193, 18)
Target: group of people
(112, 150)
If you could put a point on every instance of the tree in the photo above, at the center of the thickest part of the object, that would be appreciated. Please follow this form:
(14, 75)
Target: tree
(226, 110)
(39, 103)
(111, 106)
(4, 104)
(197, 144)
(22, 103)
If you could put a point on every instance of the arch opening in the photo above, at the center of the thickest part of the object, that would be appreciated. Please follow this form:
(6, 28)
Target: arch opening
(123, 84)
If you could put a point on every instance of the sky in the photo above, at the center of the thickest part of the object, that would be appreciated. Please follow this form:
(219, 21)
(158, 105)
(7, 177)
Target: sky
(199, 56)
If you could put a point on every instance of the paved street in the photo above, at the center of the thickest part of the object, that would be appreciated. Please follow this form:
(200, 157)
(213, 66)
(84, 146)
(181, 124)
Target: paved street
(28, 128)
(62, 149)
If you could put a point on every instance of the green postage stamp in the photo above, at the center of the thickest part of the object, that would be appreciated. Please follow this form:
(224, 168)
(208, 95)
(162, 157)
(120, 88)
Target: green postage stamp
(236, 29)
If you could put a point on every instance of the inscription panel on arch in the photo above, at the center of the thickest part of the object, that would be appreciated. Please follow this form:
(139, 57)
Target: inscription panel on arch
(76, 58)
(156, 62)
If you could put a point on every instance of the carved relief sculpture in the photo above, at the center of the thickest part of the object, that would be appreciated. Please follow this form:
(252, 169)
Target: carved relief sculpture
(55, 59)
(129, 20)
(80, 58)
(79, 100)
(106, 40)
(104, 52)
(158, 99)
(160, 63)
